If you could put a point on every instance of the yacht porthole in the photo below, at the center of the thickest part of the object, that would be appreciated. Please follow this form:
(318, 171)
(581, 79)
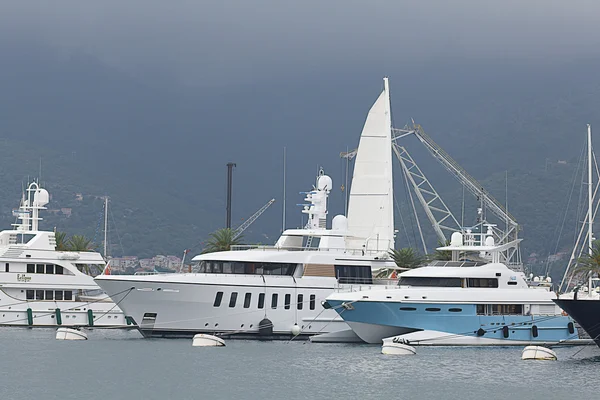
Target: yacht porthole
(251, 325)
(206, 324)
(242, 326)
(407, 297)
(216, 325)
(158, 289)
(310, 326)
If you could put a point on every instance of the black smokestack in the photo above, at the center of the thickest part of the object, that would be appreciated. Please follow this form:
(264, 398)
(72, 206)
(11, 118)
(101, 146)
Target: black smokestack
(229, 185)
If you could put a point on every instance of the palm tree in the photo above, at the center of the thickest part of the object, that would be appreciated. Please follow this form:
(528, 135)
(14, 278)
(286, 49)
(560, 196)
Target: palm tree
(61, 241)
(590, 263)
(441, 255)
(80, 243)
(221, 240)
(406, 258)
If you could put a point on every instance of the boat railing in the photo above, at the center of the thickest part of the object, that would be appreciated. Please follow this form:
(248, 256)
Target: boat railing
(349, 284)
(291, 248)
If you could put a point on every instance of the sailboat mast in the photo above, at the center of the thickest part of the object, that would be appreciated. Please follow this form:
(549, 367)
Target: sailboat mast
(105, 225)
(590, 194)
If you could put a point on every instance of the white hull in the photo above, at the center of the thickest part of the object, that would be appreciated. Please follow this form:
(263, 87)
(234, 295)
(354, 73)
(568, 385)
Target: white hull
(182, 309)
(400, 349)
(436, 338)
(72, 313)
(374, 334)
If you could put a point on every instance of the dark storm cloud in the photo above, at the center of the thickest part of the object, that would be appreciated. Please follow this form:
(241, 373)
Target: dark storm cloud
(211, 41)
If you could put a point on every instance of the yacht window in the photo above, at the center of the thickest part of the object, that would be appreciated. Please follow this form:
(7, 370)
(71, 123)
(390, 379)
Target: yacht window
(483, 282)
(247, 268)
(353, 274)
(408, 309)
(288, 300)
(49, 295)
(68, 295)
(274, 300)
(31, 268)
(433, 309)
(300, 301)
(429, 281)
(39, 295)
(29, 294)
(39, 268)
(218, 299)
(49, 268)
(455, 309)
(58, 270)
(312, 301)
(6, 267)
(512, 283)
(247, 299)
(58, 295)
(227, 268)
(261, 300)
(232, 299)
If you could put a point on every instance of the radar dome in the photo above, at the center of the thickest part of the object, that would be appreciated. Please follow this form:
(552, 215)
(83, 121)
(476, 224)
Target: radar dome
(489, 241)
(324, 183)
(41, 198)
(456, 239)
(339, 223)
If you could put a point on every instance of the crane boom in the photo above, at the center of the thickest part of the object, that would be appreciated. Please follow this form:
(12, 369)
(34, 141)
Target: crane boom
(463, 176)
(240, 229)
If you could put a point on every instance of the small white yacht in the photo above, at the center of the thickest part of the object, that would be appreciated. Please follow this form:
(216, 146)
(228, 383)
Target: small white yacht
(479, 302)
(277, 291)
(43, 287)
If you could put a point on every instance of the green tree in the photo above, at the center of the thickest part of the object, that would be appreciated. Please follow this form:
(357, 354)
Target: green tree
(407, 258)
(61, 241)
(441, 255)
(221, 240)
(79, 243)
(590, 263)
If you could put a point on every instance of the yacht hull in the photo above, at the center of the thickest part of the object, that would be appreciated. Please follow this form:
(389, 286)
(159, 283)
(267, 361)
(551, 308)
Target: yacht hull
(586, 313)
(166, 308)
(372, 319)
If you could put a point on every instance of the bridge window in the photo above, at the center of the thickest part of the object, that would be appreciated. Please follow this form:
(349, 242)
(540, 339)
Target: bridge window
(354, 274)
(68, 295)
(246, 268)
(300, 301)
(429, 281)
(483, 282)
(31, 268)
(49, 295)
(499, 309)
(6, 267)
(247, 300)
(287, 301)
(58, 295)
(39, 295)
(312, 301)
(29, 294)
(261, 300)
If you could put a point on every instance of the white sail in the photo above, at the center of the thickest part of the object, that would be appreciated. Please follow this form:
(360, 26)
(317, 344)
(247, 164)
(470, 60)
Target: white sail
(370, 208)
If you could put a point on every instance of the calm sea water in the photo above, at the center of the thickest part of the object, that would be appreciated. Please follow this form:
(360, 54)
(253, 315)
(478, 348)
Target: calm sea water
(122, 365)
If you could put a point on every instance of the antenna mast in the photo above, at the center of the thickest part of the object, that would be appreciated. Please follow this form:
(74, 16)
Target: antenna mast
(105, 226)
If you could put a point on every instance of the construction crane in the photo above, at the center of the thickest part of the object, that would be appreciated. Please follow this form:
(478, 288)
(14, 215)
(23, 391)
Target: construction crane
(240, 229)
(488, 202)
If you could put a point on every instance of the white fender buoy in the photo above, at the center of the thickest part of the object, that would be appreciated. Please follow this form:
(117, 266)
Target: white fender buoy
(296, 330)
(203, 340)
(399, 349)
(70, 334)
(538, 353)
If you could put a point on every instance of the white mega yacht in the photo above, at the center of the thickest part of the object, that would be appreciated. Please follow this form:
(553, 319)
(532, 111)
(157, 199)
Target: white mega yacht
(276, 291)
(43, 287)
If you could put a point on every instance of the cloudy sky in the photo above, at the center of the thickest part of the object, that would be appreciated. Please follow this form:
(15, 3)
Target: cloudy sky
(218, 42)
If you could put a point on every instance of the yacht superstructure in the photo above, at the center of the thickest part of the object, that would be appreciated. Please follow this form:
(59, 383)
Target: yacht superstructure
(276, 291)
(43, 287)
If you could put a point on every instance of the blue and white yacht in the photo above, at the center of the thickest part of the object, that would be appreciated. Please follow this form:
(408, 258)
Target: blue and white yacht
(458, 302)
